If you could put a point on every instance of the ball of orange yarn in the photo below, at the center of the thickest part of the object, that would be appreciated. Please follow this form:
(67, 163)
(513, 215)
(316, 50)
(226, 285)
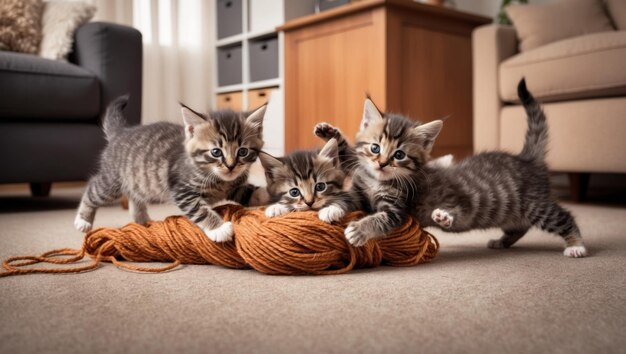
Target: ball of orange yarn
(295, 243)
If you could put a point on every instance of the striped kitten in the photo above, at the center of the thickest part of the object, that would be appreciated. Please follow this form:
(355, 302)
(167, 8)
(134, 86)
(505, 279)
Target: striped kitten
(492, 189)
(307, 180)
(201, 163)
(497, 189)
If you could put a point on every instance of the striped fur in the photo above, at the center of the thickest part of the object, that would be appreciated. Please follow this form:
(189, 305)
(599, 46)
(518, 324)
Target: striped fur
(492, 189)
(497, 189)
(165, 161)
(303, 170)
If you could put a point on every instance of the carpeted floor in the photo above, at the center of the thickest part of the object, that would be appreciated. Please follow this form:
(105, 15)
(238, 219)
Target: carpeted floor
(470, 299)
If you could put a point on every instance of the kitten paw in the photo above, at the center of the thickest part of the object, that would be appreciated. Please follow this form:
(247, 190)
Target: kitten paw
(443, 218)
(276, 210)
(325, 131)
(355, 235)
(575, 251)
(82, 225)
(222, 233)
(331, 214)
(495, 244)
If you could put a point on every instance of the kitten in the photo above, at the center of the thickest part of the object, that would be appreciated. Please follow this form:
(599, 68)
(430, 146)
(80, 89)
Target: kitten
(201, 163)
(307, 180)
(497, 189)
(385, 164)
(492, 189)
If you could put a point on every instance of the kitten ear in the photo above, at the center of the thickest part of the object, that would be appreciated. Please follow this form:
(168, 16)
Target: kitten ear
(371, 114)
(255, 119)
(269, 162)
(330, 150)
(191, 119)
(427, 133)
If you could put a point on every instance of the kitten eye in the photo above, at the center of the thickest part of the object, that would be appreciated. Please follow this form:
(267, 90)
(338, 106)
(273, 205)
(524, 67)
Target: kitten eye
(216, 152)
(320, 187)
(294, 192)
(399, 155)
(243, 152)
(375, 148)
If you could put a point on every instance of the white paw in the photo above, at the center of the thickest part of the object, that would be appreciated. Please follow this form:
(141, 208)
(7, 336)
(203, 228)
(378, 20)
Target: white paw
(276, 210)
(575, 251)
(223, 233)
(355, 235)
(82, 225)
(443, 218)
(441, 162)
(331, 214)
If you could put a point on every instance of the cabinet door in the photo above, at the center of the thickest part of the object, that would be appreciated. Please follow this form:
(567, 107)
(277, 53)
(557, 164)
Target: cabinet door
(231, 100)
(329, 67)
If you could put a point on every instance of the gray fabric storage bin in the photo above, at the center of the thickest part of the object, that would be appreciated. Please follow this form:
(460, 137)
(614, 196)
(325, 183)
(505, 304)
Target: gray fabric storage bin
(229, 21)
(229, 65)
(264, 59)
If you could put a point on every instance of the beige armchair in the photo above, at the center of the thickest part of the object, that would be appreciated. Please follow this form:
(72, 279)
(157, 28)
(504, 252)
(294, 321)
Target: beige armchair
(582, 83)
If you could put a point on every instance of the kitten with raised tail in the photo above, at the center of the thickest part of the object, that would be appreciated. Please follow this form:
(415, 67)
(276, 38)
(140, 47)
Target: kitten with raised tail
(307, 180)
(195, 165)
(488, 190)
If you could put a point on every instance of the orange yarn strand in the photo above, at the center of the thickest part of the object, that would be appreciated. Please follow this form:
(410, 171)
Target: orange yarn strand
(295, 243)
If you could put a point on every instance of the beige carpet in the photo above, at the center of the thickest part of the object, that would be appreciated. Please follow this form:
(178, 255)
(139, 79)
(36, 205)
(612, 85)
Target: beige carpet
(470, 299)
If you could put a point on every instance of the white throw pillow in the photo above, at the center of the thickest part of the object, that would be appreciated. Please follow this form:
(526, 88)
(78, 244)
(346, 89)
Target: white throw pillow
(59, 22)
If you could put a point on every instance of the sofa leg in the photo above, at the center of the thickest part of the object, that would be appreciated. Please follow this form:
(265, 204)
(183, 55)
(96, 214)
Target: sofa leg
(40, 189)
(578, 185)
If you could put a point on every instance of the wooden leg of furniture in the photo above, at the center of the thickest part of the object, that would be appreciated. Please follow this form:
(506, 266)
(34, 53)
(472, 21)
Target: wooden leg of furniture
(124, 202)
(40, 189)
(578, 184)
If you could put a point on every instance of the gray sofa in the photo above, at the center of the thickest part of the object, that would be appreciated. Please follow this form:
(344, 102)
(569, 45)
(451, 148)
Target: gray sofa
(50, 111)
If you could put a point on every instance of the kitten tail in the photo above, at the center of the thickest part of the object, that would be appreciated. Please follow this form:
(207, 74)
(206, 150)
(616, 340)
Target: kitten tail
(114, 120)
(536, 142)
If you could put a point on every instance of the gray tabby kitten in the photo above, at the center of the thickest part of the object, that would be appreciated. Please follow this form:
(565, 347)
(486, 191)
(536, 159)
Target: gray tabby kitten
(201, 163)
(492, 189)
(307, 180)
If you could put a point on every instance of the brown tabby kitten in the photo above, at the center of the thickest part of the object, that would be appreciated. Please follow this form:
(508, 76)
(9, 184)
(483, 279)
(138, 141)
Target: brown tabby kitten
(195, 166)
(307, 180)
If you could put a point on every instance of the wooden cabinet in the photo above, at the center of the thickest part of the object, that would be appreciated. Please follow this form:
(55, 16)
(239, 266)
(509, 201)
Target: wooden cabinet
(411, 58)
(230, 100)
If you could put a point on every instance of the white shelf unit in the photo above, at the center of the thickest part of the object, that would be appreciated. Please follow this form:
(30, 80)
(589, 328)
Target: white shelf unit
(259, 21)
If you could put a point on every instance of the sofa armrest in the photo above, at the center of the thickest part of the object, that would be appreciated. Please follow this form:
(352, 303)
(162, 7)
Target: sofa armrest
(114, 54)
(491, 44)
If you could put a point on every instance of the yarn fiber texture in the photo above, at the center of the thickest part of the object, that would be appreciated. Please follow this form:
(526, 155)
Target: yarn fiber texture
(294, 243)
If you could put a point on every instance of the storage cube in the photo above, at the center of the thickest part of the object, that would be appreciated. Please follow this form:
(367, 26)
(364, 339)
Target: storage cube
(259, 97)
(230, 100)
(229, 18)
(264, 59)
(229, 65)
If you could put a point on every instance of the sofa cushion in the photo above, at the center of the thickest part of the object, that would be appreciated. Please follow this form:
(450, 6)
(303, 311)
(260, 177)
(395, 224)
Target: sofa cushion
(540, 24)
(582, 67)
(37, 88)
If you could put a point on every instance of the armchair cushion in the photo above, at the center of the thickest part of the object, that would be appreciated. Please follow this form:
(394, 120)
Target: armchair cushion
(582, 67)
(62, 91)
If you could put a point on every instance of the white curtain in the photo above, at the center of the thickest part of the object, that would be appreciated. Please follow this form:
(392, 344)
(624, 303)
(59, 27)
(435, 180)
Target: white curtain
(177, 49)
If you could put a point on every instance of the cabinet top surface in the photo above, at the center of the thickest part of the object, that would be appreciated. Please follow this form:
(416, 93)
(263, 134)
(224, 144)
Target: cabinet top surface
(364, 5)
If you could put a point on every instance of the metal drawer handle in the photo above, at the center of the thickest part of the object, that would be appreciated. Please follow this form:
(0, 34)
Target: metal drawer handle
(227, 98)
(264, 47)
(261, 94)
(229, 3)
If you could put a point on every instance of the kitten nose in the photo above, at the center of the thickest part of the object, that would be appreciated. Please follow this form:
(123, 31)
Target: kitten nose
(308, 202)
(383, 164)
(231, 167)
